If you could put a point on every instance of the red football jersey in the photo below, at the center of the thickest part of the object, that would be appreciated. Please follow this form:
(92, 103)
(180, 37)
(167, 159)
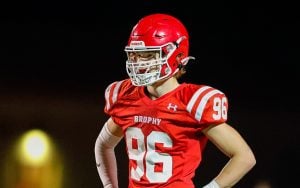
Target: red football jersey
(163, 136)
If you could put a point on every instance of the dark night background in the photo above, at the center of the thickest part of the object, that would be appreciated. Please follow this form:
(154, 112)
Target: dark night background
(57, 57)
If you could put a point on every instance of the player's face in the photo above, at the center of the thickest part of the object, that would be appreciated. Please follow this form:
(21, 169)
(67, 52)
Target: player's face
(144, 65)
(147, 61)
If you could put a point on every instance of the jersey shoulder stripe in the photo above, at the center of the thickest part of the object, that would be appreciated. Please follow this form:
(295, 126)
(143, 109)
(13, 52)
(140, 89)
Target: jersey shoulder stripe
(198, 102)
(203, 102)
(195, 97)
(111, 93)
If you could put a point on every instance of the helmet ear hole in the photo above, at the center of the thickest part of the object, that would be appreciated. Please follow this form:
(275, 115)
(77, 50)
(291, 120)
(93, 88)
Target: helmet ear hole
(179, 57)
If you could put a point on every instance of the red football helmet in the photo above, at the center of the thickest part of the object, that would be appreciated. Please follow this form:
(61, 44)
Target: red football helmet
(154, 46)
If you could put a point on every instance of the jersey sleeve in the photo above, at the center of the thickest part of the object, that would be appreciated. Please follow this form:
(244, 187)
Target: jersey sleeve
(112, 93)
(208, 106)
(115, 95)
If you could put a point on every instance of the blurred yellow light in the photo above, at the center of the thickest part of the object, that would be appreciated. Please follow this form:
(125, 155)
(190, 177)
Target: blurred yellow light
(35, 147)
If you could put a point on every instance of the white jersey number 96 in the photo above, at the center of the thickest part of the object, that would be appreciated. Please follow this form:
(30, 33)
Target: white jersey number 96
(137, 151)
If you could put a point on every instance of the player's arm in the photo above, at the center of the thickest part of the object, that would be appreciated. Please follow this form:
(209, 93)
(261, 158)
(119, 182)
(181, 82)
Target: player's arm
(231, 143)
(110, 135)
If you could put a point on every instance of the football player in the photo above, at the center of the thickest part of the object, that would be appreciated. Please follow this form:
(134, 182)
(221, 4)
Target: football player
(166, 124)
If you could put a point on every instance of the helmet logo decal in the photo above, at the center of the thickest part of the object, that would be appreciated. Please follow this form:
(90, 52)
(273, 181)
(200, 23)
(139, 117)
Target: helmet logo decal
(137, 44)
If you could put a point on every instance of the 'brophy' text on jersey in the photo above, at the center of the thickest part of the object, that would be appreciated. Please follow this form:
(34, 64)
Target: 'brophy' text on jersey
(147, 119)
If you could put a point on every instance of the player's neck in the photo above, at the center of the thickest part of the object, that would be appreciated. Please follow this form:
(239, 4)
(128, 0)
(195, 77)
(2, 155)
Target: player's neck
(157, 90)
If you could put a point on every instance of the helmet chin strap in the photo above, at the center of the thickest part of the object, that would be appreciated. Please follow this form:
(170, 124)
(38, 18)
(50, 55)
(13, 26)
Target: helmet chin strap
(183, 63)
(185, 60)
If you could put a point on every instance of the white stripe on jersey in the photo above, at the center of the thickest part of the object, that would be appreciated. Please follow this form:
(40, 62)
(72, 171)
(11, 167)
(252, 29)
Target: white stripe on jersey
(114, 93)
(203, 102)
(107, 91)
(195, 97)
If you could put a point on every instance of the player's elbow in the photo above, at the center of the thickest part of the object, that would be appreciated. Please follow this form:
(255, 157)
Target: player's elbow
(97, 146)
(249, 159)
(245, 158)
(253, 160)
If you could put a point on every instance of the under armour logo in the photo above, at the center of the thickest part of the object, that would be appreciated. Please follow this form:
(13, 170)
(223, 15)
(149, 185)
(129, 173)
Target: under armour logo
(172, 106)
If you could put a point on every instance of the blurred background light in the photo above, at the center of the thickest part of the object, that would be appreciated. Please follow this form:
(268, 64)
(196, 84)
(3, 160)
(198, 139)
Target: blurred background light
(35, 147)
(33, 161)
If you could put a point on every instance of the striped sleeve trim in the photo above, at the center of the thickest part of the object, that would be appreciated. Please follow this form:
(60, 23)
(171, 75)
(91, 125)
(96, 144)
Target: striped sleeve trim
(199, 100)
(194, 98)
(111, 93)
(203, 103)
